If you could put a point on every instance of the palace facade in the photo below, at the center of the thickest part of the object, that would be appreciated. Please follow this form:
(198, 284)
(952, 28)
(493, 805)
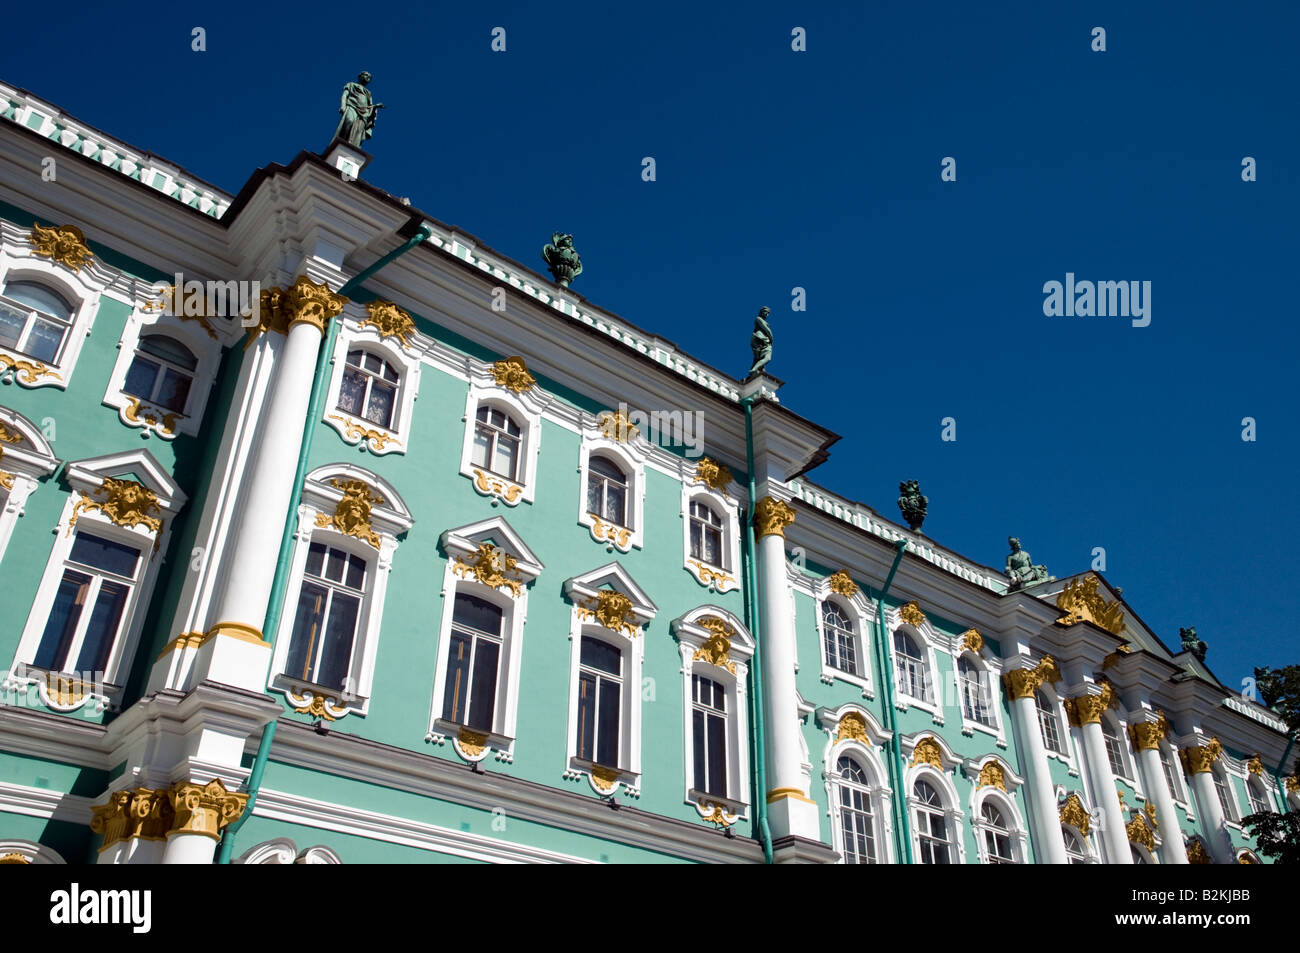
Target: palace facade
(329, 534)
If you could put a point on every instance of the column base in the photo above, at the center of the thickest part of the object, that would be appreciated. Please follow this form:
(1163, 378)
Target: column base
(801, 850)
(791, 813)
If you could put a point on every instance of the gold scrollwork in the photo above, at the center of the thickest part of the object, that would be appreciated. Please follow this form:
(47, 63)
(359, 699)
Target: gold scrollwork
(927, 751)
(109, 820)
(62, 243)
(620, 536)
(613, 610)
(1293, 785)
(204, 809)
(842, 584)
(616, 425)
(1255, 765)
(712, 474)
(1072, 813)
(492, 486)
(992, 774)
(772, 516)
(1081, 602)
(1140, 832)
(912, 614)
(14, 858)
(972, 640)
(304, 302)
(715, 813)
(352, 514)
(1197, 854)
(852, 727)
(605, 779)
(716, 649)
(30, 373)
(125, 502)
(6, 480)
(390, 321)
(164, 424)
(9, 436)
(471, 744)
(308, 702)
(493, 567)
(512, 374)
(377, 438)
(713, 578)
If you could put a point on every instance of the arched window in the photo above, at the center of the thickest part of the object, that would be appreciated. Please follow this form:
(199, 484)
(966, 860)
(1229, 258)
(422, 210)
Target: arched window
(837, 632)
(857, 825)
(1258, 793)
(706, 534)
(607, 491)
(369, 388)
(600, 687)
(931, 824)
(1114, 749)
(975, 701)
(325, 625)
(1048, 723)
(34, 320)
(909, 660)
(1076, 848)
(997, 834)
(469, 692)
(161, 372)
(497, 441)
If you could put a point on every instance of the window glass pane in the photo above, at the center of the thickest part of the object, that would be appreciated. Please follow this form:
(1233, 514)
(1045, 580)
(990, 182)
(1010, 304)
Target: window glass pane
(606, 469)
(169, 349)
(105, 619)
(507, 451)
(315, 558)
(104, 554)
(44, 340)
(717, 732)
(477, 614)
(12, 322)
(334, 565)
(483, 696)
(601, 655)
(700, 750)
(307, 625)
(61, 626)
(356, 572)
(140, 378)
(173, 391)
(607, 729)
(596, 495)
(351, 392)
(586, 716)
(615, 502)
(380, 410)
(480, 452)
(457, 684)
(39, 297)
(697, 540)
(336, 652)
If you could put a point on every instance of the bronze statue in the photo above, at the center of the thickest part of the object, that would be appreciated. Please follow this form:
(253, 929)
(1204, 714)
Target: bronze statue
(912, 504)
(761, 341)
(358, 112)
(562, 258)
(1192, 644)
(1021, 568)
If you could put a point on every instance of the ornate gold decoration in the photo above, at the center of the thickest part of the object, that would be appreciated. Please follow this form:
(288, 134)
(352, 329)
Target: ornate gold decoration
(1081, 602)
(26, 372)
(620, 536)
(472, 744)
(1200, 759)
(912, 614)
(1255, 765)
(125, 502)
(167, 304)
(616, 425)
(309, 703)
(64, 690)
(772, 516)
(6, 480)
(1196, 853)
(712, 474)
(714, 578)
(972, 640)
(109, 820)
(992, 774)
(927, 751)
(390, 321)
(62, 243)
(1293, 785)
(378, 439)
(842, 584)
(613, 610)
(1152, 816)
(493, 567)
(14, 858)
(605, 779)
(163, 423)
(716, 649)
(1023, 682)
(1087, 709)
(716, 813)
(304, 302)
(204, 809)
(1246, 857)
(1140, 831)
(352, 515)
(150, 814)
(1111, 660)
(852, 727)
(1147, 735)
(492, 485)
(1072, 813)
(9, 436)
(512, 374)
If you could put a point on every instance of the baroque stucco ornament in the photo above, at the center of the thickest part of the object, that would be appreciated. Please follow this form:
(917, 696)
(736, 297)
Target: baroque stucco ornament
(712, 474)
(1081, 602)
(125, 502)
(352, 514)
(1196, 853)
(616, 425)
(493, 567)
(303, 302)
(852, 727)
(512, 374)
(1087, 709)
(716, 649)
(390, 321)
(972, 640)
(613, 610)
(1201, 759)
(772, 516)
(927, 751)
(842, 584)
(1072, 813)
(205, 809)
(912, 614)
(992, 774)
(62, 243)
(27, 373)
(1023, 682)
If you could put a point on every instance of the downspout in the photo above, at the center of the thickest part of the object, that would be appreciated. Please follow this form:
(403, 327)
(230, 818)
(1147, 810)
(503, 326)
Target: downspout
(752, 619)
(901, 832)
(275, 605)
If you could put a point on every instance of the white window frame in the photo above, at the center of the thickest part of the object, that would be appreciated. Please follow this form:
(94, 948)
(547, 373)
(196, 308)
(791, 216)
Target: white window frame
(388, 520)
(463, 543)
(1057, 711)
(952, 813)
(1006, 802)
(868, 756)
(24, 465)
(1179, 793)
(358, 431)
(1255, 786)
(583, 593)
(722, 578)
(990, 668)
(691, 636)
(1125, 754)
(82, 289)
(138, 413)
(1089, 854)
(925, 637)
(525, 411)
(86, 477)
(862, 613)
(632, 463)
(1232, 810)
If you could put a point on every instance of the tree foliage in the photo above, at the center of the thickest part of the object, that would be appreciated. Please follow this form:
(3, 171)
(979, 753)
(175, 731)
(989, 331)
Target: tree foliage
(1278, 835)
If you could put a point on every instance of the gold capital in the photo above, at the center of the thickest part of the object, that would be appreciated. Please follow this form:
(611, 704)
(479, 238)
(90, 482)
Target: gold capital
(109, 820)
(1147, 735)
(1023, 682)
(1201, 759)
(772, 516)
(204, 808)
(1087, 709)
(304, 302)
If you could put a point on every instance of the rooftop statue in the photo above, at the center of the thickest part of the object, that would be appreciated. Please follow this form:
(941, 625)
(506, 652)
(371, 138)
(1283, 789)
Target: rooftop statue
(761, 341)
(1021, 568)
(358, 112)
(562, 258)
(912, 504)
(1192, 644)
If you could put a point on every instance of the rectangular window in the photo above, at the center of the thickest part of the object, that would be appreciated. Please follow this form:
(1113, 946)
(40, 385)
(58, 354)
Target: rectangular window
(89, 606)
(709, 734)
(599, 699)
(470, 685)
(325, 623)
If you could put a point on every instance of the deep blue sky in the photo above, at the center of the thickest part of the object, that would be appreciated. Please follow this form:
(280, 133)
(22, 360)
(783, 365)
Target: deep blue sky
(821, 169)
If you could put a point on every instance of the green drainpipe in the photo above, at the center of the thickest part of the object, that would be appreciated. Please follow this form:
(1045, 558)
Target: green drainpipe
(275, 605)
(756, 679)
(902, 834)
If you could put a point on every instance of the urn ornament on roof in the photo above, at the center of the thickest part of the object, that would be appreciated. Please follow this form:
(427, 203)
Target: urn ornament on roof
(562, 258)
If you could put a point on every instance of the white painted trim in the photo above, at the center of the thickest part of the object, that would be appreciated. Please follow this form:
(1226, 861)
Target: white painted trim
(729, 510)
(633, 466)
(81, 288)
(395, 438)
(529, 421)
(861, 611)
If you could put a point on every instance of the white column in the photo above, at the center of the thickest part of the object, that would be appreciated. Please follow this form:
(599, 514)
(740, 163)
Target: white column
(1199, 762)
(790, 810)
(1104, 793)
(1044, 817)
(1146, 741)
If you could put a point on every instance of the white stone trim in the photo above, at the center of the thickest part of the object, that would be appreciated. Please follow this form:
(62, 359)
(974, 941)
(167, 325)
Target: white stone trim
(991, 666)
(728, 509)
(632, 463)
(357, 431)
(24, 464)
(1017, 831)
(948, 794)
(862, 613)
(527, 416)
(926, 637)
